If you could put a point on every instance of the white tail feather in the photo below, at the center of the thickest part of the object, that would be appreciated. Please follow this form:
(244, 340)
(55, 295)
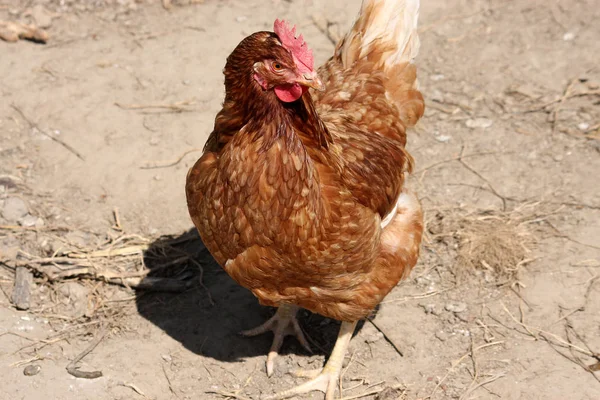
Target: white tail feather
(386, 26)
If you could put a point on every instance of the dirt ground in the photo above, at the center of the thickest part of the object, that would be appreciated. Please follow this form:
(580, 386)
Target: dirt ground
(99, 126)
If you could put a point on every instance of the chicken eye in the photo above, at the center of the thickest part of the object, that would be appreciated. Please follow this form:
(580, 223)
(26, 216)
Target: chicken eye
(276, 66)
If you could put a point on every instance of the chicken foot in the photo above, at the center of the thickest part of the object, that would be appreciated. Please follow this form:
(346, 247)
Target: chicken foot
(282, 324)
(327, 379)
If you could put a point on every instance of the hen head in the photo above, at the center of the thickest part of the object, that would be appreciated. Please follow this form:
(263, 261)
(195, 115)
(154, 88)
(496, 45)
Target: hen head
(277, 62)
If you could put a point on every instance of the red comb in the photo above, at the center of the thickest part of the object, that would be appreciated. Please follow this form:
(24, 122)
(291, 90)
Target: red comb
(300, 52)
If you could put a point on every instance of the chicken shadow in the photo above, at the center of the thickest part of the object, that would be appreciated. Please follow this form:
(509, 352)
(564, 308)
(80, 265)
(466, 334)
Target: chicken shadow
(195, 302)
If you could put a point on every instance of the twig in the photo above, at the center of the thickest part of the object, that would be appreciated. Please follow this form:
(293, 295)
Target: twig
(201, 279)
(228, 394)
(386, 336)
(341, 377)
(418, 296)
(474, 385)
(170, 163)
(563, 98)
(582, 308)
(178, 106)
(434, 105)
(568, 326)
(122, 251)
(588, 291)
(29, 360)
(569, 238)
(475, 369)
(73, 369)
(480, 384)
(130, 298)
(591, 263)
(33, 125)
(169, 381)
(460, 360)
(57, 337)
(574, 358)
(474, 171)
(85, 268)
(133, 387)
(117, 226)
(523, 320)
(372, 392)
(544, 333)
(461, 156)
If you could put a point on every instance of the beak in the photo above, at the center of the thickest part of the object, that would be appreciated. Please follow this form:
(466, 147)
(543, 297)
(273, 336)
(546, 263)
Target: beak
(311, 80)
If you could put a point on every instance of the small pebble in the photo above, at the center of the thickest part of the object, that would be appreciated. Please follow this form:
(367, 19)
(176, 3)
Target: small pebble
(28, 220)
(429, 309)
(567, 37)
(479, 123)
(583, 126)
(422, 281)
(14, 209)
(457, 307)
(32, 370)
(443, 138)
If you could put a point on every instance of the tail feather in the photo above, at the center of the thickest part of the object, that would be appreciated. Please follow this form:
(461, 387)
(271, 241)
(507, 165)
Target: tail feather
(385, 33)
(385, 36)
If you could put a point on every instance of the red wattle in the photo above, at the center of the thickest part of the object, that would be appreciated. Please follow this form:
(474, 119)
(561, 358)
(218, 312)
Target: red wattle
(289, 93)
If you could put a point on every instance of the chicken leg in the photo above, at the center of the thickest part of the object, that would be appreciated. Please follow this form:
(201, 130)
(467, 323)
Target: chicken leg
(326, 380)
(282, 324)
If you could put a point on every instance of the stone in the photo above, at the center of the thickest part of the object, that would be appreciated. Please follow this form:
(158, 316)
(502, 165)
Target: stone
(475, 123)
(14, 209)
(457, 307)
(32, 370)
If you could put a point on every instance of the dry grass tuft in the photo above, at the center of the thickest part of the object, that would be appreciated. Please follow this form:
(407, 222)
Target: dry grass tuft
(492, 243)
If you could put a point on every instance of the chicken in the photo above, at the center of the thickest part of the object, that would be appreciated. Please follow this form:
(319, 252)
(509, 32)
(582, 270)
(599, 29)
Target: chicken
(300, 194)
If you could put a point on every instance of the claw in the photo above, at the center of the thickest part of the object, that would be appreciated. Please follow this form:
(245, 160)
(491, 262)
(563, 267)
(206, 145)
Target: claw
(282, 324)
(325, 380)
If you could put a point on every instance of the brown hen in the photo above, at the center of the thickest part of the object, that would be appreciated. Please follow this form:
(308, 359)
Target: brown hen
(300, 194)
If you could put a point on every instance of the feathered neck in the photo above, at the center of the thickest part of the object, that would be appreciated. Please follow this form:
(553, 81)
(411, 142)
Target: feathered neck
(262, 114)
(248, 109)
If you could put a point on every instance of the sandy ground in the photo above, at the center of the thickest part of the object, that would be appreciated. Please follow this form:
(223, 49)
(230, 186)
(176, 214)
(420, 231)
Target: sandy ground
(512, 89)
